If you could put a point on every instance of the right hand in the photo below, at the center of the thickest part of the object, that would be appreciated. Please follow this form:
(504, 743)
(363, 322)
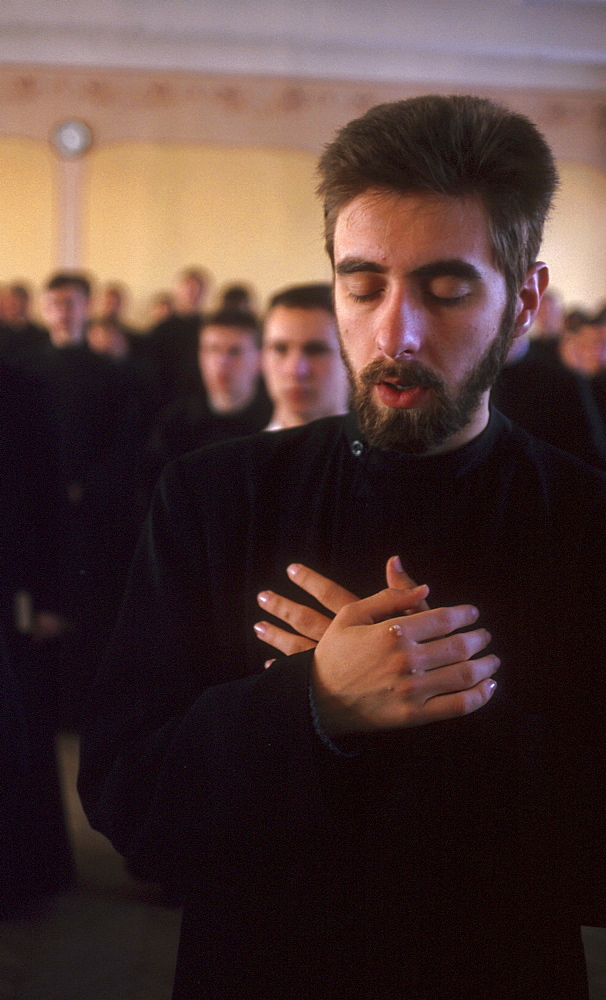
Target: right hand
(379, 667)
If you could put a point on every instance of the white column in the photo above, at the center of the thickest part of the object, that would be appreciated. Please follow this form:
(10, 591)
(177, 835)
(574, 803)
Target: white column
(70, 184)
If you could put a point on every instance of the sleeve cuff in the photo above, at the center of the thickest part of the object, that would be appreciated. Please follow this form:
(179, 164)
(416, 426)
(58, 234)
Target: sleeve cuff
(322, 735)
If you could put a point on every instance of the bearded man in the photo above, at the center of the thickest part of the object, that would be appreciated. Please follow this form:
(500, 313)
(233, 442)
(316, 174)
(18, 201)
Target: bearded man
(410, 802)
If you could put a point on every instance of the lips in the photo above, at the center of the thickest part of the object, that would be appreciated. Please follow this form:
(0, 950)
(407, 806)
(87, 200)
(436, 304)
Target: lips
(398, 396)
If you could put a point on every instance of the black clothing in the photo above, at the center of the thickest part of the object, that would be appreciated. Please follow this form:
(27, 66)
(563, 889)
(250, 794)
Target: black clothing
(35, 576)
(34, 535)
(440, 863)
(173, 347)
(598, 388)
(21, 346)
(544, 350)
(554, 404)
(100, 420)
(190, 423)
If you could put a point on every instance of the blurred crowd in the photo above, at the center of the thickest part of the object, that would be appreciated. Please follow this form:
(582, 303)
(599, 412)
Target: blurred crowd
(92, 408)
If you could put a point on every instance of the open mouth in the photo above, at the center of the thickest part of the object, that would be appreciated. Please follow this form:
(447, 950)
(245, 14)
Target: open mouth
(399, 386)
(399, 396)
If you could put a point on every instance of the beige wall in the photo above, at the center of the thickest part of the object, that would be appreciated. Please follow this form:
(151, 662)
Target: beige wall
(28, 209)
(575, 237)
(245, 214)
(192, 169)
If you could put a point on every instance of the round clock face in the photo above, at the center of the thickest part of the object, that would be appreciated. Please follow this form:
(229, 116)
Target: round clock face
(72, 138)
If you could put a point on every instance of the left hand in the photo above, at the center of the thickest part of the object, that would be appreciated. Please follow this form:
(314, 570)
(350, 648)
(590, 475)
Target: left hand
(310, 625)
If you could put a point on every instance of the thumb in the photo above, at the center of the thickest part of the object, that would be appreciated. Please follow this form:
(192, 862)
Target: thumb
(390, 603)
(398, 578)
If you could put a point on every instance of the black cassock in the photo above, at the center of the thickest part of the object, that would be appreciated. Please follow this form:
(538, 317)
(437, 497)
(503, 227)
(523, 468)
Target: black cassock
(456, 860)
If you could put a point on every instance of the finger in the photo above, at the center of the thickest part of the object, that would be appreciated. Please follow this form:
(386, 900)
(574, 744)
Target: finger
(384, 605)
(454, 678)
(398, 578)
(326, 592)
(451, 706)
(304, 620)
(454, 648)
(280, 639)
(437, 622)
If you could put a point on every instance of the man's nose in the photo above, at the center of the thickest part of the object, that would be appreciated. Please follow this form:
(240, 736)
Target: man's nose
(399, 333)
(299, 364)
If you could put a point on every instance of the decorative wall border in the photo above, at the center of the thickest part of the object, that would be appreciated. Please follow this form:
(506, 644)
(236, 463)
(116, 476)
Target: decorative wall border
(256, 111)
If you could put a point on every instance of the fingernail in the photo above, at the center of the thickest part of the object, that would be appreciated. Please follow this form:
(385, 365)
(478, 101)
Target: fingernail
(398, 564)
(475, 613)
(293, 569)
(263, 597)
(259, 628)
(491, 685)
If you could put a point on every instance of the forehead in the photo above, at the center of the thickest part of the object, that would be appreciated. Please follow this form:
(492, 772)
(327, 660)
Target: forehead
(410, 230)
(68, 293)
(225, 336)
(299, 326)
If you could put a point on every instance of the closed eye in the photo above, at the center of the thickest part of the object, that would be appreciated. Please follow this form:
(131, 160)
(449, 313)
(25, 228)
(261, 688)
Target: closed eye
(366, 296)
(447, 289)
(447, 300)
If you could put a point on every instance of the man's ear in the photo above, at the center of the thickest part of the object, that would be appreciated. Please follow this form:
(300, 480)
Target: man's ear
(529, 297)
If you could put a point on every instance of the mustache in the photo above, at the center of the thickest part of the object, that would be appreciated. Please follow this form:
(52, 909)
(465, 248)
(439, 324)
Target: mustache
(411, 374)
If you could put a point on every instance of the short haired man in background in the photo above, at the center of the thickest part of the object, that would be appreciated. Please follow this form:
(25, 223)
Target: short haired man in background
(230, 401)
(172, 344)
(66, 308)
(304, 373)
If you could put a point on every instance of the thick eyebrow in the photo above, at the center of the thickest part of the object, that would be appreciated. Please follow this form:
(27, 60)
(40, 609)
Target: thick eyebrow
(454, 268)
(354, 265)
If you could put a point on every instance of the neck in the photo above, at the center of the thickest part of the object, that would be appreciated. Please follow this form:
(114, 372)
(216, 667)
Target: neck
(66, 338)
(224, 405)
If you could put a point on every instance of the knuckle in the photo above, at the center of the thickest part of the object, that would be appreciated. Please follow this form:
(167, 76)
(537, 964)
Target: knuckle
(471, 701)
(467, 674)
(446, 619)
(304, 619)
(462, 645)
(408, 684)
(347, 614)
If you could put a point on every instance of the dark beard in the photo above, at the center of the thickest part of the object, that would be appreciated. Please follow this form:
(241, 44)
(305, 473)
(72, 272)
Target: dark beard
(416, 431)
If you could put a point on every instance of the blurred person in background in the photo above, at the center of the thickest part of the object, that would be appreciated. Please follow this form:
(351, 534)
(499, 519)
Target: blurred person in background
(94, 407)
(239, 297)
(173, 342)
(231, 400)
(21, 338)
(302, 366)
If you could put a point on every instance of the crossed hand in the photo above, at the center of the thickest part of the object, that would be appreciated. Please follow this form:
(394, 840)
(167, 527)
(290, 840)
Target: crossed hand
(385, 661)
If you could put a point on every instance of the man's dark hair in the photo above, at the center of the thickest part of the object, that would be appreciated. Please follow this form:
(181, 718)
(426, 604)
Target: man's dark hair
(456, 146)
(20, 291)
(236, 297)
(318, 296)
(600, 317)
(247, 322)
(575, 319)
(69, 279)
